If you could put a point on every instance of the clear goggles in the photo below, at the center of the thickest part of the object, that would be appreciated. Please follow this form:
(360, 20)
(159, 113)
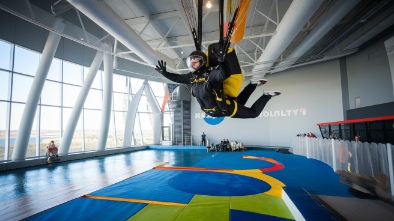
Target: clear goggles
(193, 57)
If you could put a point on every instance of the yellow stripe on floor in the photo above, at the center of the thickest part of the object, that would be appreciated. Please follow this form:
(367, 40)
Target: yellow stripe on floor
(133, 200)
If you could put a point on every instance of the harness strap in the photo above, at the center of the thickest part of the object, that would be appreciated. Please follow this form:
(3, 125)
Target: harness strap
(235, 108)
(217, 97)
(198, 80)
(209, 109)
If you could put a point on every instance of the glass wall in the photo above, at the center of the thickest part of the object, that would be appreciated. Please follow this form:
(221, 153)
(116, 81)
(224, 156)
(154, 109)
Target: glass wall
(3, 126)
(64, 81)
(49, 127)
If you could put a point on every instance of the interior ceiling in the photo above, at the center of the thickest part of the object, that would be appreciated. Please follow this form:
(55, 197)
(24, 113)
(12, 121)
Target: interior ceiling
(273, 39)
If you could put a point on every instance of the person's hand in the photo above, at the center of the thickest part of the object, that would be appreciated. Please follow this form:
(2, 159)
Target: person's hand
(217, 50)
(161, 68)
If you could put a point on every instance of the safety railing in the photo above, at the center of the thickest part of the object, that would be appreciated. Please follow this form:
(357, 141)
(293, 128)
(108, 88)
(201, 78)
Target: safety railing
(367, 159)
(376, 129)
(188, 140)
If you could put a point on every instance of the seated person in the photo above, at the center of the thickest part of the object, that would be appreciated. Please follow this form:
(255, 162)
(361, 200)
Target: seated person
(240, 146)
(236, 146)
(228, 147)
(208, 146)
(223, 145)
(52, 151)
(232, 145)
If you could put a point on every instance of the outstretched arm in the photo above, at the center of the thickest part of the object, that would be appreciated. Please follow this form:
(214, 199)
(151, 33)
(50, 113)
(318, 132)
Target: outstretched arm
(178, 78)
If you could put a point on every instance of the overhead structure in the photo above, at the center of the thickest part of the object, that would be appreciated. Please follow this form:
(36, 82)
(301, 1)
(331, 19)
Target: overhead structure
(278, 35)
(100, 13)
(297, 15)
(333, 16)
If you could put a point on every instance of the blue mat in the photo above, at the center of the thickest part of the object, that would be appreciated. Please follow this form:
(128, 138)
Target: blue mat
(180, 186)
(217, 184)
(89, 209)
(233, 160)
(238, 215)
(309, 208)
(151, 185)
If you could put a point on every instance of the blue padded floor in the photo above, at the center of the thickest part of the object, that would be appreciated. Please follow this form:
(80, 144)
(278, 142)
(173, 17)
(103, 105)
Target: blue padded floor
(174, 186)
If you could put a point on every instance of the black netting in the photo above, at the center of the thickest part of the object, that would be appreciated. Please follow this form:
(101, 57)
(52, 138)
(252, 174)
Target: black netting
(347, 133)
(380, 131)
(376, 132)
(360, 130)
(324, 130)
(389, 129)
(335, 130)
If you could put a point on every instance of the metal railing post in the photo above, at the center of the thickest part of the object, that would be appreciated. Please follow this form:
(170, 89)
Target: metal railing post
(391, 168)
(307, 147)
(334, 166)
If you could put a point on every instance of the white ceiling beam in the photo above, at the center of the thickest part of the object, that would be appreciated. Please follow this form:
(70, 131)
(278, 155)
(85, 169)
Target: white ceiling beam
(100, 13)
(333, 16)
(33, 16)
(137, 21)
(298, 14)
(164, 15)
(83, 26)
(138, 4)
(267, 17)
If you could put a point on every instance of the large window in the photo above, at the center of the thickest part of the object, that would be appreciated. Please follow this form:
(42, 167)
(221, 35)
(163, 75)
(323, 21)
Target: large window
(21, 87)
(26, 61)
(77, 143)
(97, 80)
(16, 116)
(120, 83)
(5, 55)
(120, 101)
(70, 95)
(4, 82)
(157, 88)
(92, 128)
(49, 127)
(146, 127)
(34, 141)
(55, 71)
(3, 126)
(51, 93)
(111, 140)
(72, 73)
(143, 105)
(94, 99)
(137, 133)
(59, 95)
(120, 122)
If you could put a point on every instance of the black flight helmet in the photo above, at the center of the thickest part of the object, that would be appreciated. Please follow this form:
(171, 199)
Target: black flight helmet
(197, 55)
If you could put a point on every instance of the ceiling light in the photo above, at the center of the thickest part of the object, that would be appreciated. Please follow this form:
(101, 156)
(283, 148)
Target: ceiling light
(209, 5)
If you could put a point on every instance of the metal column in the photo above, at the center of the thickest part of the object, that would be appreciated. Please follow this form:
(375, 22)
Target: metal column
(76, 112)
(107, 103)
(26, 124)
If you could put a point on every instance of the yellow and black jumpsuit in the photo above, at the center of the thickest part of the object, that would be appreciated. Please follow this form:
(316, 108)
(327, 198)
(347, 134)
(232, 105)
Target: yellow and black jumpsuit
(207, 87)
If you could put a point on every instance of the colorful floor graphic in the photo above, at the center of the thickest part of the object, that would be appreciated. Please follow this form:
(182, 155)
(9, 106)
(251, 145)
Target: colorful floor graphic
(221, 186)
